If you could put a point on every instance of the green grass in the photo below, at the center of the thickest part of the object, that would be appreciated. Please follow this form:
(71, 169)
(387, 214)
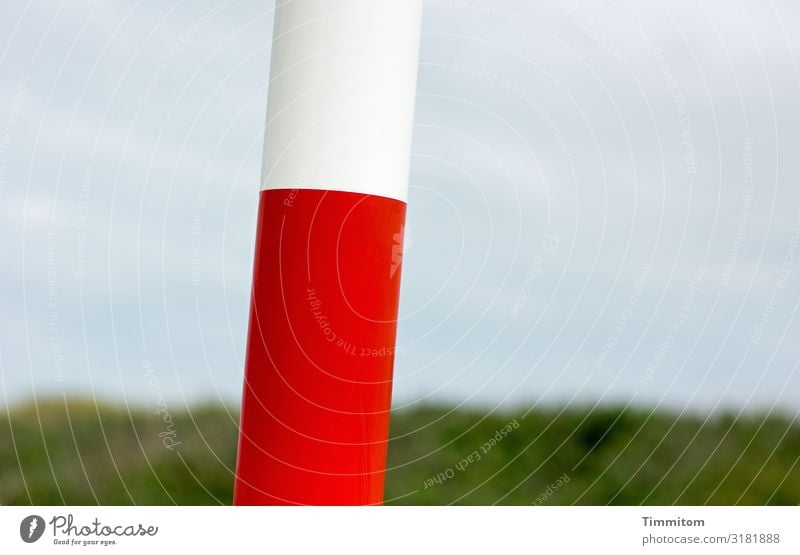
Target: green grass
(81, 453)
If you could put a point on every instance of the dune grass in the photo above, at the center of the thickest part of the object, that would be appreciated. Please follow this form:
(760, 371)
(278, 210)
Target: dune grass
(78, 452)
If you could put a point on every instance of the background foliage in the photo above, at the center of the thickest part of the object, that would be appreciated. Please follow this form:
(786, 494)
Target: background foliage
(78, 452)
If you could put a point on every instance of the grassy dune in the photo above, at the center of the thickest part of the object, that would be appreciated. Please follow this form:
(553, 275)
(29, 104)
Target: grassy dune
(81, 453)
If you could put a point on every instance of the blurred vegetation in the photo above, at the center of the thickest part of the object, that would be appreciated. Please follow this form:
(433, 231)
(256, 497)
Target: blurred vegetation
(83, 453)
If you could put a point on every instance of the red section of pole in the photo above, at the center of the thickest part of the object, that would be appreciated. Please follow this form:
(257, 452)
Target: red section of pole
(320, 352)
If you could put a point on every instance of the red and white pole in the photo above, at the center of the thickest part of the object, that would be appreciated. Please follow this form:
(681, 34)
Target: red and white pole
(323, 317)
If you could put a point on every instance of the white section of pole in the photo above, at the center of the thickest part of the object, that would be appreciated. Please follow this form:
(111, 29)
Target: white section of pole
(341, 95)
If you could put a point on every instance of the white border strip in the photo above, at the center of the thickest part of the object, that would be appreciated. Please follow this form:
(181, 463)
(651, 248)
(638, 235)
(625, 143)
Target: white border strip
(404, 530)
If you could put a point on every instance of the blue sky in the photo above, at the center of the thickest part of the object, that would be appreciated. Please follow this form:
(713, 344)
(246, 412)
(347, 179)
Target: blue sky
(604, 202)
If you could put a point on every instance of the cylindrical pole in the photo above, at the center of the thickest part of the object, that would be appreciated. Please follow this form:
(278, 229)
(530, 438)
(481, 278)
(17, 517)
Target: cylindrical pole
(321, 341)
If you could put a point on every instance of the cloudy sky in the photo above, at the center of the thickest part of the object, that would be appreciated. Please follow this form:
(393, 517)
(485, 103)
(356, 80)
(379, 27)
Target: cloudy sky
(604, 207)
